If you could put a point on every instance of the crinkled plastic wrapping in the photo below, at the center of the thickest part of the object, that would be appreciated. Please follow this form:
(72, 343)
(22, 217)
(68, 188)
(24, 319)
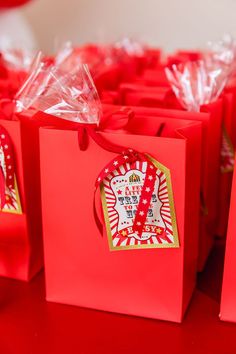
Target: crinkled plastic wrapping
(67, 95)
(15, 57)
(224, 51)
(197, 83)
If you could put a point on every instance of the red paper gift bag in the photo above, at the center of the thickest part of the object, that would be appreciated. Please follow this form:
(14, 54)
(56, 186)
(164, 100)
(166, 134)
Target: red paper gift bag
(211, 117)
(21, 251)
(136, 95)
(228, 298)
(164, 98)
(80, 267)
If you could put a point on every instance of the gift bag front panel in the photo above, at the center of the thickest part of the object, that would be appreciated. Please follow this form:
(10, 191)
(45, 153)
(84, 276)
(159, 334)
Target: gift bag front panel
(80, 268)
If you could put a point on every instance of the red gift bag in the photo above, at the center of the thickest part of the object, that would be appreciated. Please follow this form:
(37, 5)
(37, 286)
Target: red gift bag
(135, 95)
(189, 97)
(81, 268)
(228, 298)
(21, 250)
(211, 117)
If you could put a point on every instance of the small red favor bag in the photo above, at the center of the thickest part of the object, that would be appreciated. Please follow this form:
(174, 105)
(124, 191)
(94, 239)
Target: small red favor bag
(148, 207)
(163, 97)
(21, 251)
(211, 118)
(76, 252)
(198, 85)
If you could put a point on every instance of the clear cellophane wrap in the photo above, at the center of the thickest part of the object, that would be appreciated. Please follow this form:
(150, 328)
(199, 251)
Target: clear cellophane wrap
(69, 95)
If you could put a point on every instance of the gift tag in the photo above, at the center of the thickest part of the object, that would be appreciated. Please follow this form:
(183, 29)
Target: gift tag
(9, 196)
(121, 191)
(227, 154)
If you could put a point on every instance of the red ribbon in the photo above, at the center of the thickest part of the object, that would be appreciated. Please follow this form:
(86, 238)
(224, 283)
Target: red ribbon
(126, 155)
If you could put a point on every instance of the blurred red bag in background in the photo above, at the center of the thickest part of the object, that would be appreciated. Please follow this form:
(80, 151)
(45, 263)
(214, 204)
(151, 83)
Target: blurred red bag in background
(211, 117)
(21, 251)
(228, 298)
